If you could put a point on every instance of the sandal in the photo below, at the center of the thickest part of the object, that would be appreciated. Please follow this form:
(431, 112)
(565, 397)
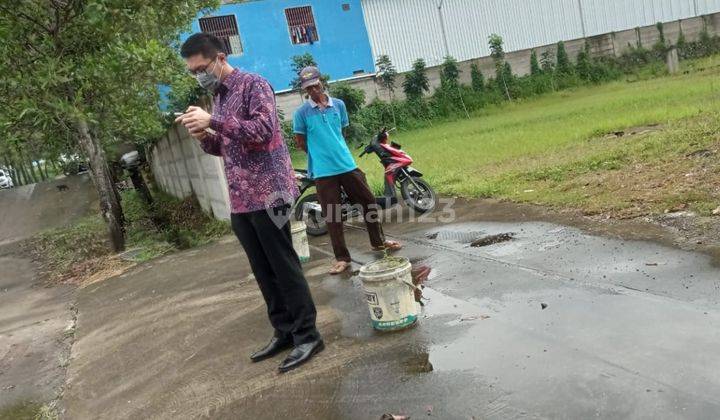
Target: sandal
(389, 245)
(339, 267)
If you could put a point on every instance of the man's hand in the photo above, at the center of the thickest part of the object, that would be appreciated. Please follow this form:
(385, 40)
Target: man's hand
(195, 119)
(300, 142)
(199, 135)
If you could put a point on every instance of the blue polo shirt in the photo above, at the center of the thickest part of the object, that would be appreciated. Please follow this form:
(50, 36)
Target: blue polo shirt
(328, 152)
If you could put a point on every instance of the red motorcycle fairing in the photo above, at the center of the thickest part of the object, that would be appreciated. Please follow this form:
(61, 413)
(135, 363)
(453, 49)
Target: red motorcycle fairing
(399, 160)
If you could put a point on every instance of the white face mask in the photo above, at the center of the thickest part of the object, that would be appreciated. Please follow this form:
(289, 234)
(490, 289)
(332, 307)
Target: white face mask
(208, 80)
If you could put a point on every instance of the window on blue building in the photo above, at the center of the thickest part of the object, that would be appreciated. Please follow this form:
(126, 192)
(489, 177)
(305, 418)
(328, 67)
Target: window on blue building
(226, 29)
(301, 25)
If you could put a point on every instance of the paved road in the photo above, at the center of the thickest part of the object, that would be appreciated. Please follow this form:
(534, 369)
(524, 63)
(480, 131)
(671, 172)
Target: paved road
(31, 208)
(630, 330)
(34, 345)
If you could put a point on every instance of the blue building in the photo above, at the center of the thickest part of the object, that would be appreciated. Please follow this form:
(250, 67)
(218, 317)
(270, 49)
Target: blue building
(261, 36)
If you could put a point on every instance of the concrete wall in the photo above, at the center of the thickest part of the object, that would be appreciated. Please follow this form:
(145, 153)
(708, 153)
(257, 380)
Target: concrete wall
(182, 168)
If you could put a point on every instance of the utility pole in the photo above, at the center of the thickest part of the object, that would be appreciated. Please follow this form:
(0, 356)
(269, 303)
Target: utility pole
(447, 51)
(442, 27)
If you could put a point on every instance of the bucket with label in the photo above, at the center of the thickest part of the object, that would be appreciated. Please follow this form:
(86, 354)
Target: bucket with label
(300, 241)
(389, 291)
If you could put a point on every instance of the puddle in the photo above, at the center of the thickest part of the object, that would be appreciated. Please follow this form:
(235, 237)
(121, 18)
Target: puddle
(567, 255)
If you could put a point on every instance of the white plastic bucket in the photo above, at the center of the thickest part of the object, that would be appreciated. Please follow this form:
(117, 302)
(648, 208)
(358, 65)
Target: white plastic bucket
(300, 241)
(388, 288)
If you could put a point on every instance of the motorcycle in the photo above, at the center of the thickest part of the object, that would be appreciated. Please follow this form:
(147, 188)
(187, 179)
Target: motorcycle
(416, 193)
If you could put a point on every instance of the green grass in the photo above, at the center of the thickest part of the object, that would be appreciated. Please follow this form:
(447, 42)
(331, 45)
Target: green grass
(505, 150)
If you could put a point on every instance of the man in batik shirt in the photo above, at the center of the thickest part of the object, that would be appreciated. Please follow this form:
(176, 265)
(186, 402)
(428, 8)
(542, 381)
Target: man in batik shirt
(244, 130)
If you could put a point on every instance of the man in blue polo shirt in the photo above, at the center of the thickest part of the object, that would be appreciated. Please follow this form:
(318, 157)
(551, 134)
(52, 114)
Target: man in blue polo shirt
(318, 126)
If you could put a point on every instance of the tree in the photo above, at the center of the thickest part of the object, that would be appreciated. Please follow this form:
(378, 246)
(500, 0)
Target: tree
(547, 62)
(450, 74)
(477, 78)
(584, 63)
(497, 53)
(661, 33)
(299, 62)
(86, 72)
(416, 81)
(386, 74)
(534, 64)
(564, 66)
(386, 77)
(681, 41)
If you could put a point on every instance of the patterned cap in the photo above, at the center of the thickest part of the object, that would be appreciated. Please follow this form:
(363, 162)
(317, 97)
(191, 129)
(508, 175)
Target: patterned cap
(309, 76)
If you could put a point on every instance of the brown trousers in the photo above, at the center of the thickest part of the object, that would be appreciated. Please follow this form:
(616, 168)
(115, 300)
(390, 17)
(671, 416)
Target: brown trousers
(355, 186)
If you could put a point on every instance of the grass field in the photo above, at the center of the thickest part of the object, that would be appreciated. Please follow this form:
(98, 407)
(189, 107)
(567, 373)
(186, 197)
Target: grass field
(556, 150)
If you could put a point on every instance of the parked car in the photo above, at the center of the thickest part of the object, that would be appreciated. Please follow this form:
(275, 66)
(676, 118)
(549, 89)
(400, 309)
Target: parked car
(6, 180)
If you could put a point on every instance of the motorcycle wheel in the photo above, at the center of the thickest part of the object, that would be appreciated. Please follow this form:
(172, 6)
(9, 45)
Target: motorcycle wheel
(421, 198)
(314, 221)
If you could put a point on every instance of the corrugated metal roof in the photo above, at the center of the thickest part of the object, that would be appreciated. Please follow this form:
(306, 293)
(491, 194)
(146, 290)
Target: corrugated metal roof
(410, 29)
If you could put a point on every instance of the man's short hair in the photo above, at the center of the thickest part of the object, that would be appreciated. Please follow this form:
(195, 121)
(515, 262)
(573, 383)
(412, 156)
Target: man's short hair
(201, 43)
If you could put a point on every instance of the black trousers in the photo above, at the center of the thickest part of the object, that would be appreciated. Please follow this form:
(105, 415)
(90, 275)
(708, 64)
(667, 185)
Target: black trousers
(278, 273)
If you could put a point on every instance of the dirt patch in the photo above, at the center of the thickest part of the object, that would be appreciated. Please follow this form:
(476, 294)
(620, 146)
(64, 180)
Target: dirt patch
(492, 240)
(26, 410)
(702, 153)
(417, 363)
(104, 269)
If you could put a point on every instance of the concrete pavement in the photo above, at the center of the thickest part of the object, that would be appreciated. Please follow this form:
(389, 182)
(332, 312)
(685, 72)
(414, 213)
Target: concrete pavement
(629, 330)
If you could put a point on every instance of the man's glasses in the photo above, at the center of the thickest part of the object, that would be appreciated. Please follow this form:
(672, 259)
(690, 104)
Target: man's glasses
(202, 69)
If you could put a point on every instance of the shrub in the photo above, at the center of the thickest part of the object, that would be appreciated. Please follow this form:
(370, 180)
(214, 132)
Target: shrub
(416, 81)
(534, 64)
(564, 67)
(477, 78)
(547, 61)
(584, 64)
(286, 126)
(354, 98)
(449, 74)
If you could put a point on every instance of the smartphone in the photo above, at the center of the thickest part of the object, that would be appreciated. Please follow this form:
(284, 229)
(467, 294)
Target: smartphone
(178, 114)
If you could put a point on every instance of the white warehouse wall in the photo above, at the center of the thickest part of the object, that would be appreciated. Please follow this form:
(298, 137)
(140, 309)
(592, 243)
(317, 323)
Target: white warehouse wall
(410, 29)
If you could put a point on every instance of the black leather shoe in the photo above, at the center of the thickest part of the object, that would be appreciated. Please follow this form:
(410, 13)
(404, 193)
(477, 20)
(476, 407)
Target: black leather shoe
(275, 346)
(301, 354)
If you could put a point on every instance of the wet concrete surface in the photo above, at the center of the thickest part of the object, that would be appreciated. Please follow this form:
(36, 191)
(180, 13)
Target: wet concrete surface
(629, 329)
